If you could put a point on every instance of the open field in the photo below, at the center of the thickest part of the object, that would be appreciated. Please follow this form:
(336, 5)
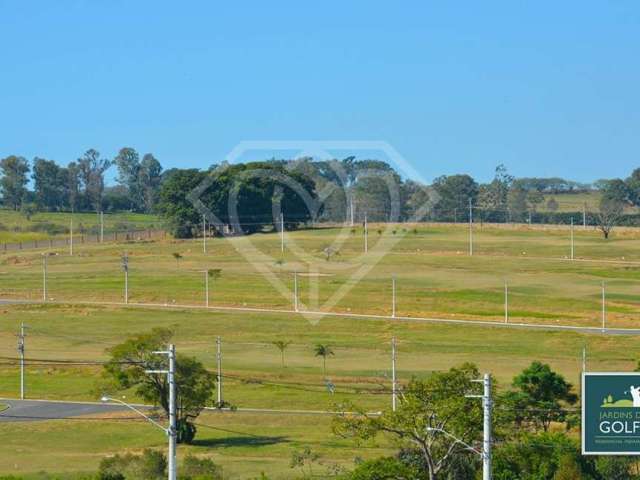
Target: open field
(435, 277)
(15, 227)
(249, 443)
(434, 274)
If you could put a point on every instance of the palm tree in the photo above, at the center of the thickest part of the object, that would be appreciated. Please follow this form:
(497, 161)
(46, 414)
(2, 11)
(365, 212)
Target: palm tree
(282, 346)
(323, 351)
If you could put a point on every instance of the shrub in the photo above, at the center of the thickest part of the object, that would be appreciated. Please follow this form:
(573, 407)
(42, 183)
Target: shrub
(150, 465)
(194, 468)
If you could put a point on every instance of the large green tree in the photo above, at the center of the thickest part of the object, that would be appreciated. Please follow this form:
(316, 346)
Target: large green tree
(194, 384)
(431, 413)
(541, 396)
(455, 192)
(49, 184)
(13, 183)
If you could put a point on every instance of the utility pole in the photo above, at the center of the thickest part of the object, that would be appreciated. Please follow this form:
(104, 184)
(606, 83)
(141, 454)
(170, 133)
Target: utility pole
(101, 227)
(204, 234)
(470, 228)
(44, 276)
(393, 296)
(487, 405)
(71, 237)
(506, 302)
(125, 268)
(486, 436)
(604, 310)
(455, 215)
(173, 432)
(394, 383)
(219, 369)
(572, 238)
(366, 234)
(21, 346)
(295, 291)
(206, 288)
(351, 208)
(281, 232)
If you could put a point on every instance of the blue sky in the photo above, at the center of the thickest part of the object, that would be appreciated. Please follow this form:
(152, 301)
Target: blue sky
(547, 88)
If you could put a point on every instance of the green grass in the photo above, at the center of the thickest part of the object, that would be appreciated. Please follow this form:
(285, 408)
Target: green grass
(435, 277)
(15, 227)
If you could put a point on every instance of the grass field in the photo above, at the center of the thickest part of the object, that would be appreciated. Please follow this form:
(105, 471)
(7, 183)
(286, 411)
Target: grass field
(434, 277)
(15, 227)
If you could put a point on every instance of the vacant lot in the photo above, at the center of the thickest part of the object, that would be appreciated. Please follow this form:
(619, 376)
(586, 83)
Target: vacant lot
(434, 276)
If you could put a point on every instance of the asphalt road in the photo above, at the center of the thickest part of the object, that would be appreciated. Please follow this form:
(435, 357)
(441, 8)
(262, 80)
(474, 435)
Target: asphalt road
(37, 410)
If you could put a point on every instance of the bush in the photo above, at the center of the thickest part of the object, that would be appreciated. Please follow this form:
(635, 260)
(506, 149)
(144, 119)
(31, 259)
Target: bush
(194, 468)
(150, 465)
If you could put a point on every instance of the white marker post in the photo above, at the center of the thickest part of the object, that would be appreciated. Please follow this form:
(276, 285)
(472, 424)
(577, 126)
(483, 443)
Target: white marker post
(506, 302)
(366, 234)
(572, 249)
(604, 309)
(470, 228)
(219, 370)
(281, 232)
(393, 297)
(394, 383)
(71, 237)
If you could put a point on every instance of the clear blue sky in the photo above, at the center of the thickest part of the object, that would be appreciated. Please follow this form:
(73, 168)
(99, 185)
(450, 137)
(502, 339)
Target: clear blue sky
(547, 88)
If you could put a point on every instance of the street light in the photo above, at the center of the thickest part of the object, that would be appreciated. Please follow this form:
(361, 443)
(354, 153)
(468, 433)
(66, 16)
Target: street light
(171, 431)
(106, 399)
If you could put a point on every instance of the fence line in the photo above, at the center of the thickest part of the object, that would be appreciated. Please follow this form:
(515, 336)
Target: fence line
(83, 238)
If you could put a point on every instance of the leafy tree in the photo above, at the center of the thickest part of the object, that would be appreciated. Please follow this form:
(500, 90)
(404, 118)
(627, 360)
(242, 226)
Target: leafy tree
(539, 457)
(282, 346)
(178, 211)
(497, 191)
(150, 176)
(323, 351)
(128, 163)
(541, 397)
(517, 201)
(50, 184)
(91, 169)
(194, 384)
(425, 410)
(454, 192)
(178, 257)
(13, 184)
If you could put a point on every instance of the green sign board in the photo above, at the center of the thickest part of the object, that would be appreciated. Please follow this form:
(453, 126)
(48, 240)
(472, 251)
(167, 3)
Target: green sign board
(610, 413)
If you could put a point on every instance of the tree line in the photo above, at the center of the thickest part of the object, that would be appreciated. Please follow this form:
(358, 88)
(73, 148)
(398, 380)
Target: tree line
(42, 184)
(335, 190)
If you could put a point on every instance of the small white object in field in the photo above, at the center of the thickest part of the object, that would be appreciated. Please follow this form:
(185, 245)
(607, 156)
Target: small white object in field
(524, 253)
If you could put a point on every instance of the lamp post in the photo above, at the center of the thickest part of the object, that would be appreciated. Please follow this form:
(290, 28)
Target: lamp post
(171, 430)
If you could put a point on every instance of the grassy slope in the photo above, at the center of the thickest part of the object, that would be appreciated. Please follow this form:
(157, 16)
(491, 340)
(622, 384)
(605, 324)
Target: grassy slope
(432, 277)
(16, 227)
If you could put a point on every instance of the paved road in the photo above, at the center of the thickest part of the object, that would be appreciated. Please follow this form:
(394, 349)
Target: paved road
(37, 410)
